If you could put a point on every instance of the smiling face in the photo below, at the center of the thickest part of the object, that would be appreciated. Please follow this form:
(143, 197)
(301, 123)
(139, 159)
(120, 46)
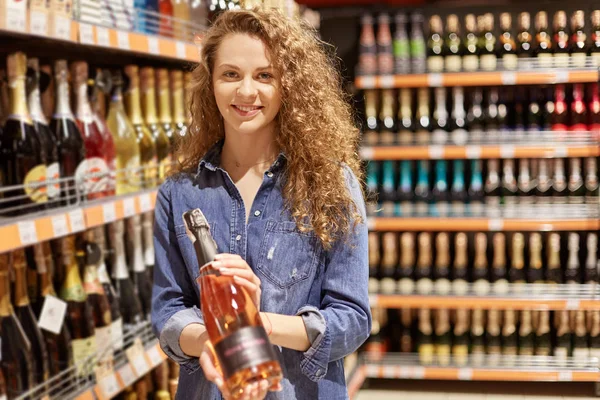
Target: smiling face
(246, 85)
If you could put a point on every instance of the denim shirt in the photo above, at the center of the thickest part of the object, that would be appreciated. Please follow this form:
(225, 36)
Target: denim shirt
(328, 289)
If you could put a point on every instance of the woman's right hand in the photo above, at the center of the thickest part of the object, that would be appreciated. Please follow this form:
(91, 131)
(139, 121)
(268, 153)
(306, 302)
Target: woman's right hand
(212, 371)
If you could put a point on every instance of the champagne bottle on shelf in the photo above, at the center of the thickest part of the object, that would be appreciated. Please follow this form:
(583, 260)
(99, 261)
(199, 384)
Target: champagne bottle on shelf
(457, 123)
(125, 140)
(97, 175)
(148, 242)
(179, 120)
(418, 47)
(387, 134)
(561, 40)
(547, 109)
(440, 189)
(593, 327)
(525, 40)
(424, 284)
(591, 274)
(406, 126)
(508, 45)
(543, 346)
(559, 116)
(460, 269)
(435, 45)
(509, 335)
(164, 105)
(389, 263)
(490, 115)
(554, 272)
(509, 187)
(440, 126)
(406, 337)
(562, 349)
(579, 114)
(498, 273)
(376, 345)
(230, 317)
(526, 333)
(406, 195)
(481, 281)
(581, 351)
(475, 117)
(425, 343)
(595, 37)
(477, 337)
(385, 57)
(371, 133)
(148, 158)
(367, 58)
(458, 192)
(543, 191)
(543, 50)
(374, 261)
(525, 184)
(493, 188)
(372, 183)
(47, 139)
(441, 270)
(423, 195)
(453, 49)
(470, 60)
(534, 111)
(487, 59)
(71, 147)
(591, 180)
(579, 43)
(23, 160)
(559, 183)
(406, 283)
(573, 273)
(28, 321)
(594, 108)
(402, 64)
(443, 337)
(475, 192)
(460, 342)
(423, 124)
(17, 358)
(516, 273)
(535, 274)
(493, 336)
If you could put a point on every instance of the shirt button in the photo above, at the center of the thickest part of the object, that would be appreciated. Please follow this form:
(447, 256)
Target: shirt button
(270, 174)
(318, 373)
(256, 213)
(238, 237)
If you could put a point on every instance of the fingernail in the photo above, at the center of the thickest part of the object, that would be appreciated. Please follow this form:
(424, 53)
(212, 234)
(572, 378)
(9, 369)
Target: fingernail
(217, 264)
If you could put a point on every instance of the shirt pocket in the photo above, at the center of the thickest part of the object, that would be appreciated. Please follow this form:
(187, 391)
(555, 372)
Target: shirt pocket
(287, 255)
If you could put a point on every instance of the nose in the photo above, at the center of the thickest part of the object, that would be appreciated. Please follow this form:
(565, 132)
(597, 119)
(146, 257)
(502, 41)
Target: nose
(247, 88)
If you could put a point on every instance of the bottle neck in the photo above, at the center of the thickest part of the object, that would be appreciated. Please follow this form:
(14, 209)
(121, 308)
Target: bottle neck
(35, 106)
(459, 106)
(6, 308)
(592, 249)
(138, 255)
(165, 106)
(21, 297)
(63, 107)
(148, 98)
(134, 110)
(84, 110)
(72, 289)
(116, 99)
(103, 273)
(18, 100)
(440, 101)
(178, 107)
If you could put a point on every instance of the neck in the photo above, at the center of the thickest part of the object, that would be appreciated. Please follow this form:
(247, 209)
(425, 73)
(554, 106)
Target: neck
(244, 153)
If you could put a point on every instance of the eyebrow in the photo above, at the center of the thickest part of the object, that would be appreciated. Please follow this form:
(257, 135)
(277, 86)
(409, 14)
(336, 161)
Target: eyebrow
(236, 67)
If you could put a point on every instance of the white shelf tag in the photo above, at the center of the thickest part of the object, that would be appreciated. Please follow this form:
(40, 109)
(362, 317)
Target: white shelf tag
(76, 220)
(59, 225)
(180, 50)
(507, 151)
(560, 152)
(436, 152)
(109, 386)
(62, 27)
(110, 214)
(495, 224)
(153, 47)
(572, 304)
(404, 373)
(86, 34)
(373, 371)
(434, 80)
(129, 207)
(473, 152)
(102, 36)
(16, 15)
(154, 356)
(27, 232)
(389, 372)
(565, 376)
(418, 372)
(53, 314)
(140, 365)
(123, 40)
(561, 76)
(373, 300)
(386, 81)
(38, 23)
(127, 375)
(145, 203)
(368, 82)
(508, 78)
(366, 153)
(465, 374)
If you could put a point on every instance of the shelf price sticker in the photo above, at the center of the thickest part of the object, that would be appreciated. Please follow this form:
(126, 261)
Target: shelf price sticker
(465, 374)
(62, 27)
(123, 40)
(102, 37)
(137, 358)
(386, 81)
(145, 203)
(560, 152)
(572, 304)
(366, 153)
(109, 385)
(110, 213)
(180, 50)
(53, 314)
(27, 232)
(373, 371)
(389, 372)
(59, 225)
(565, 376)
(561, 76)
(76, 220)
(418, 372)
(153, 47)
(495, 224)
(473, 152)
(435, 80)
(508, 78)
(129, 207)
(127, 375)
(368, 82)
(507, 151)
(154, 356)
(86, 34)
(38, 23)
(436, 152)
(15, 15)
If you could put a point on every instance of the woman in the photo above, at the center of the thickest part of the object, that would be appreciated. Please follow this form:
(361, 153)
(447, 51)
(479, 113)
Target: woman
(270, 160)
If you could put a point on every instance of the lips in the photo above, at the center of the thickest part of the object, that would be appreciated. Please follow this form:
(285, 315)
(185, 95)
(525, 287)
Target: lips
(246, 111)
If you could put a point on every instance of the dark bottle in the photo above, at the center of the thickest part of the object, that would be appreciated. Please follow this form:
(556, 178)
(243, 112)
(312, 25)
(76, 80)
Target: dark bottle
(387, 195)
(525, 183)
(595, 42)
(36, 84)
(509, 184)
(476, 193)
(477, 337)
(561, 40)
(503, 122)
(443, 337)
(425, 345)
(547, 109)
(401, 42)
(581, 351)
(141, 280)
(406, 335)
(406, 283)
(543, 345)
(418, 47)
(435, 45)
(453, 49)
(389, 263)
(441, 270)
(593, 325)
(543, 190)
(535, 274)
(470, 60)
(591, 274)
(518, 113)
(509, 335)
(480, 273)
(71, 147)
(525, 40)
(553, 267)
(579, 43)
(423, 271)
(493, 333)
(543, 50)
(439, 133)
(573, 273)
(17, 361)
(563, 347)
(493, 187)
(591, 180)
(371, 133)
(516, 272)
(374, 261)
(406, 126)
(579, 114)
(148, 242)
(440, 188)
(406, 195)
(460, 272)
(458, 191)
(559, 182)
(475, 117)
(526, 334)
(28, 321)
(22, 158)
(498, 273)
(594, 108)
(575, 186)
(490, 115)
(508, 45)
(423, 195)
(385, 55)
(423, 124)
(389, 129)
(372, 182)
(487, 58)
(534, 111)
(457, 124)
(367, 58)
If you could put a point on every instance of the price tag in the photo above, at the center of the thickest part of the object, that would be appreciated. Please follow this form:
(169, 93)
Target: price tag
(53, 314)
(129, 207)
(507, 151)
(127, 375)
(366, 153)
(123, 40)
(76, 220)
(572, 304)
(560, 152)
(495, 224)
(418, 372)
(110, 214)
(436, 152)
(154, 356)
(145, 203)
(109, 385)
(386, 81)
(565, 376)
(371, 223)
(27, 232)
(16, 15)
(389, 372)
(373, 371)
(367, 82)
(136, 356)
(561, 76)
(180, 50)
(38, 23)
(465, 374)
(153, 47)
(508, 78)
(86, 34)
(373, 300)
(434, 80)
(473, 152)
(102, 36)
(404, 373)
(59, 225)
(62, 27)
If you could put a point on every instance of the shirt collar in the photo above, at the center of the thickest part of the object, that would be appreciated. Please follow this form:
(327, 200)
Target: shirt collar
(212, 159)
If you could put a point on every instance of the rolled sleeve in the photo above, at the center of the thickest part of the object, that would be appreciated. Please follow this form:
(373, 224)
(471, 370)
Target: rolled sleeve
(171, 332)
(343, 321)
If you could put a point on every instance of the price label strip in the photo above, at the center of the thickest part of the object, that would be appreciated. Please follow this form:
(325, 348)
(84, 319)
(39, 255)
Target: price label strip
(145, 203)
(153, 47)
(108, 384)
(137, 358)
(102, 36)
(110, 214)
(86, 34)
(76, 220)
(129, 207)
(27, 232)
(59, 225)
(127, 375)
(154, 356)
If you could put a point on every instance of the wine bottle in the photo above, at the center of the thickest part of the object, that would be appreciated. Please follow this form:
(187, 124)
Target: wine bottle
(389, 129)
(543, 50)
(97, 178)
(439, 134)
(422, 130)
(425, 344)
(559, 182)
(406, 126)
(493, 339)
(509, 336)
(487, 58)
(525, 39)
(406, 336)
(561, 40)
(71, 147)
(164, 105)
(579, 44)
(509, 187)
(406, 195)
(129, 302)
(79, 311)
(591, 261)
(460, 342)
(593, 325)
(477, 337)
(535, 274)
(440, 189)
(148, 242)
(476, 193)
(573, 269)
(534, 111)
(385, 57)
(443, 337)
(418, 47)
(516, 272)
(458, 192)
(441, 271)
(388, 189)
(547, 109)
(453, 49)
(457, 124)
(125, 140)
(406, 283)
(475, 117)
(591, 180)
(389, 263)
(481, 280)
(179, 121)
(490, 115)
(498, 273)
(47, 139)
(401, 44)
(424, 263)
(508, 46)
(161, 141)
(559, 116)
(371, 133)
(526, 334)
(367, 58)
(562, 350)
(525, 184)
(581, 351)
(372, 183)
(374, 261)
(230, 317)
(28, 320)
(470, 61)
(423, 195)
(435, 45)
(493, 188)
(460, 269)
(594, 108)
(543, 191)
(17, 357)
(579, 114)
(543, 346)
(595, 42)
(23, 160)
(554, 272)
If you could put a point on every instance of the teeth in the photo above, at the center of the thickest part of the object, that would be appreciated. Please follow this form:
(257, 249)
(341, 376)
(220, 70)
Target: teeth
(247, 109)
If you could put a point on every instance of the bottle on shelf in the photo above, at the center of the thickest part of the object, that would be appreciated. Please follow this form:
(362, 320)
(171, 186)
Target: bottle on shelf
(458, 191)
(493, 336)
(544, 46)
(460, 271)
(423, 195)
(453, 48)
(422, 122)
(425, 343)
(406, 125)
(508, 45)
(164, 105)
(525, 40)
(457, 124)
(470, 60)
(389, 263)
(435, 45)
(480, 273)
(573, 273)
(181, 13)
(460, 340)
(367, 58)
(516, 272)
(525, 183)
(498, 273)
(487, 58)
(559, 116)
(371, 133)
(595, 37)
(477, 337)
(406, 283)
(591, 180)
(490, 115)
(372, 183)
(591, 273)
(423, 273)
(476, 192)
(543, 346)
(125, 140)
(387, 194)
(406, 337)
(418, 47)
(559, 182)
(440, 189)
(148, 242)
(581, 351)
(534, 111)
(509, 189)
(553, 270)
(47, 139)
(543, 190)
(387, 134)
(579, 43)
(374, 261)
(535, 274)
(493, 187)
(561, 40)
(402, 61)
(142, 282)
(579, 114)
(443, 337)
(23, 160)
(179, 121)
(594, 110)
(526, 333)
(165, 26)
(440, 126)
(509, 335)
(406, 195)
(385, 56)
(441, 270)
(562, 349)
(593, 327)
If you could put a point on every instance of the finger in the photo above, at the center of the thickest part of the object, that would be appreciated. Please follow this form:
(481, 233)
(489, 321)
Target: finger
(232, 263)
(210, 370)
(242, 273)
(263, 389)
(277, 388)
(251, 287)
(226, 256)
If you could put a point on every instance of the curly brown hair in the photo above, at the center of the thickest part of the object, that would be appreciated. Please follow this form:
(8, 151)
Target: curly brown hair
(315, 124)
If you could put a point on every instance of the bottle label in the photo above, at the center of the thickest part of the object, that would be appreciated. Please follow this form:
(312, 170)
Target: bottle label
(435, 64)
(453, 63)
(545, 60)
(460, 137)
(401, 48)
(578, 59)
(91, 284)
(245, 348)
(37, 191)
(53, 173)
(561, 60)
(132, 175)
(471, 62)
(94, 174)
(439, 136)
(116, 333)
(104, 342)
(488, 62)
(83, 350)
(509, 61)
(417, 48)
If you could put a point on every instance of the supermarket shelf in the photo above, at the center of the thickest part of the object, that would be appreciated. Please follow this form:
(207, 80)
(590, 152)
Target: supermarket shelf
(25, 231)
(481, 224)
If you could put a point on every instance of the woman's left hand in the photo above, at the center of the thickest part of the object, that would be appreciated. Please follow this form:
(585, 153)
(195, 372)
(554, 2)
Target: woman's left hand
(236, 266)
